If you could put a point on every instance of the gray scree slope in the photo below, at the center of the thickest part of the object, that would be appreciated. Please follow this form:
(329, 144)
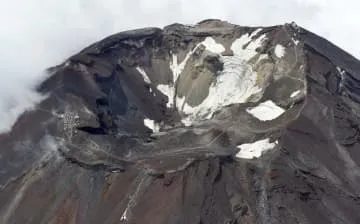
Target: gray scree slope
(211, 123)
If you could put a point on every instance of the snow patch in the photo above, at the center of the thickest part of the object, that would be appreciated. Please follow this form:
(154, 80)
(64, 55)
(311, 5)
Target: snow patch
(255, 32)
(340, 70)
(235, 84)
(169, 91)
(143, 74)
(266, 111)
(176, 68)
(250, 50)
(124, 216)
(294, 94)
(296, 42)
(342, 74)
(279, 51)
(255, 149)
(86, 110)
(152, 125)
(211, 45)
(263, 57)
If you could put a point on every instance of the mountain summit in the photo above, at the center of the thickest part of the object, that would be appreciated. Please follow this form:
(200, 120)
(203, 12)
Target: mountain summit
(207, 124)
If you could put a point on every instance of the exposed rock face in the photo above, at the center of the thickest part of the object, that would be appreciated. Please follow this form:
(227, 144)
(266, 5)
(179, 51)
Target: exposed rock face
(212, 123)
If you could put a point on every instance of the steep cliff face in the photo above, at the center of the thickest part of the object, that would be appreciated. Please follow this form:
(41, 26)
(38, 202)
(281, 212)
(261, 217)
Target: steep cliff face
(212, 123)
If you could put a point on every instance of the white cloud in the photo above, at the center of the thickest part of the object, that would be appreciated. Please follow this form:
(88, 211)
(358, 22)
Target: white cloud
(36, 34)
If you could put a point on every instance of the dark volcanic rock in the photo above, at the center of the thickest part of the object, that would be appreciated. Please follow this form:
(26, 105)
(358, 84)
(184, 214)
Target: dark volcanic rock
(212, 123)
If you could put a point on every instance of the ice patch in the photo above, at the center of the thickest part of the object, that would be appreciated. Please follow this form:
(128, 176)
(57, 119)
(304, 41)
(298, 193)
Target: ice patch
(294, 94)
(279, 51)
(255, 149)
(152, 125)
(266, 111)
(230, 88)
(235, 84)
(143, 74)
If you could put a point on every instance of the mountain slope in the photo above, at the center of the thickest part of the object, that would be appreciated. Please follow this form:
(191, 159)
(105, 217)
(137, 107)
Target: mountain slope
(212, 123)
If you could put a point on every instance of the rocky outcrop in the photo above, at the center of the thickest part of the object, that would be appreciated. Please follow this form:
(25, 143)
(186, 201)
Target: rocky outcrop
(211, 123)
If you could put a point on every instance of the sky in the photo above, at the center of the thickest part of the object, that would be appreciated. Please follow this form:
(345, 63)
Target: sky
(36, 34)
